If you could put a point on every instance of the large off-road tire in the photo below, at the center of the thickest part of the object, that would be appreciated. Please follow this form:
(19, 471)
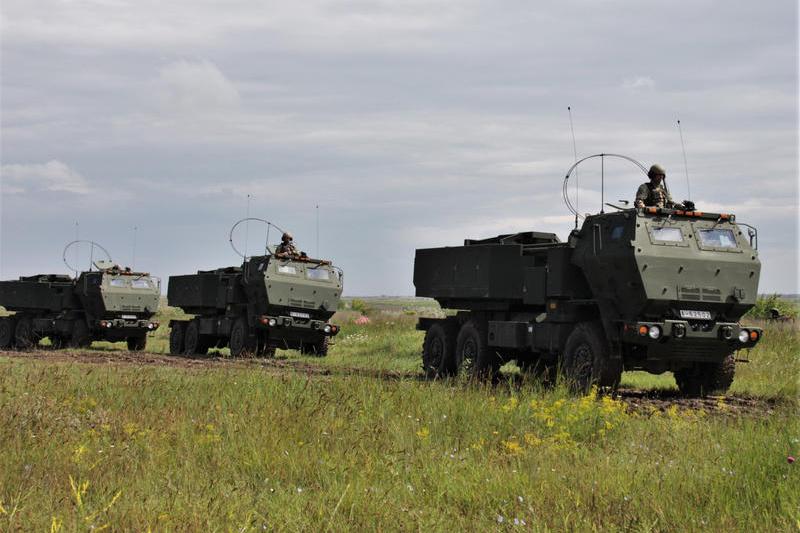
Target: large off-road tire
(586, 360)
(317, 349)
(23, 334)
(137, 344)
(438, 351)
(473, 357)
(702, 379)
(243, 343)
(80, 336)
(7, 326)
(193, 342)
(177, 334)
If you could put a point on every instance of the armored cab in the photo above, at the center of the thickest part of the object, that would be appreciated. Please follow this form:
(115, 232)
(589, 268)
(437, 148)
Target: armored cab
(109, 303)
(651, 289)
(269, 302)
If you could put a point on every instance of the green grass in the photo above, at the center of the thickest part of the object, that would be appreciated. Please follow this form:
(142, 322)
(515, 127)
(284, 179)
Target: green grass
(221, 448)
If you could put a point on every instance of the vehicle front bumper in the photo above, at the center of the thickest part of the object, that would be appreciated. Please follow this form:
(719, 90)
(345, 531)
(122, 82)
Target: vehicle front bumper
(299, 324)
(675, 333)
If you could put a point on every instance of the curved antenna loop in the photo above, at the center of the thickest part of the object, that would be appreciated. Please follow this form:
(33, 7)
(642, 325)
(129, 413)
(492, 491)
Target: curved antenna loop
(565, 188)
(246, 219)
(78, 241)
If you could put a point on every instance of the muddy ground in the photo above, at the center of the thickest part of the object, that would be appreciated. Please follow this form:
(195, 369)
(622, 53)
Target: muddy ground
(640, 401)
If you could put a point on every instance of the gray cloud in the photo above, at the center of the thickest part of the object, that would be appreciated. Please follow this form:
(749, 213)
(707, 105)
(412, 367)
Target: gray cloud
(410, 124)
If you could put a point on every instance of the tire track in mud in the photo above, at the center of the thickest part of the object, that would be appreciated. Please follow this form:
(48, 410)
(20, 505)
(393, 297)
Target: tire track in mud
(645, 402)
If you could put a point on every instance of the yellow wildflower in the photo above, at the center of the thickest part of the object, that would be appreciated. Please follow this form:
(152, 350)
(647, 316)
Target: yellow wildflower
(423, 433)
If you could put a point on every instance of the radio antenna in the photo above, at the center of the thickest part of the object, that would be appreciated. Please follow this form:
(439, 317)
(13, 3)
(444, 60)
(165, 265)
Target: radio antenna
(247, 227)
(133, 258)
(685, 165)
(77, 238)
(317, 209)
(575, 154)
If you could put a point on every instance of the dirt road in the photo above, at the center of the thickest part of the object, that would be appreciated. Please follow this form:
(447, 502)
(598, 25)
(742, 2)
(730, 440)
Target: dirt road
(647, 402)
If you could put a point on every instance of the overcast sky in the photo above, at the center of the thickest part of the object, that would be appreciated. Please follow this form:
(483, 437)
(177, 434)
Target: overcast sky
(411, 124)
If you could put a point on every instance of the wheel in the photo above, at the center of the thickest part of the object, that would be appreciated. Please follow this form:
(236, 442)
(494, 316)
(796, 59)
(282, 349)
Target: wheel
(23, 333)
(80, 336)
(137, 344)
(438, 357)
(317, 349)
(193, 342)
(473, 357)
(586, 360)
(177, 333)
(242, 343)
(7, 326)
(702, 379)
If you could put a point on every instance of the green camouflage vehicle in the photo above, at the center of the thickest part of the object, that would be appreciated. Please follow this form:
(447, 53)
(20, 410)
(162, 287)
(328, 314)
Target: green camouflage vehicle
(651, 289)
(271, 301)
(110, 304)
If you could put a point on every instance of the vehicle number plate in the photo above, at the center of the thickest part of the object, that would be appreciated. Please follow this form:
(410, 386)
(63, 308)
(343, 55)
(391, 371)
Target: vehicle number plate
(299, 315)
(129, 317)
(696, 315)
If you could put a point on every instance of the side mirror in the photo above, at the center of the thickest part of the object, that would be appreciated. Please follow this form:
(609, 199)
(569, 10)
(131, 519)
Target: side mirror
(688, 205)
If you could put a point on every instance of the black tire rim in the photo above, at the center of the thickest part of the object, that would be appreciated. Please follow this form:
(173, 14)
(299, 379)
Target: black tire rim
(5, 333)
(192, 339)
(469, 354)
(436, 351)
(237, 339)
(583, 361)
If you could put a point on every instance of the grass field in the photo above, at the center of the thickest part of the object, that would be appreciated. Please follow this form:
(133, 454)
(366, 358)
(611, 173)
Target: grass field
(361, 443)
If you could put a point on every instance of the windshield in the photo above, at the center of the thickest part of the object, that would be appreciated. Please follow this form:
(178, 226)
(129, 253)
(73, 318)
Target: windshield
(318, 274)
(668, 234)
(717, 238)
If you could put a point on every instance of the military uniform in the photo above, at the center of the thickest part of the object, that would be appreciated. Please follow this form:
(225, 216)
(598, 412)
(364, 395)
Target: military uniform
(650, 195)
(286, 248)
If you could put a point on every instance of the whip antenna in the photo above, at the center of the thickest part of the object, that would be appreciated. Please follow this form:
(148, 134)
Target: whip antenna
(133, 258)
(575, 154)
(685, 166)
(247, 227)
(317, 208)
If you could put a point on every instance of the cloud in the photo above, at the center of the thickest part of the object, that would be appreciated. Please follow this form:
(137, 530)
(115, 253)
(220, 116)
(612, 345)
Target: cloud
(52, 176)
(195, 87)
(639, 83)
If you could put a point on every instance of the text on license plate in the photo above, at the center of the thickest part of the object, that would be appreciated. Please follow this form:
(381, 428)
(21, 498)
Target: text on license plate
(299, 315)
(697, 315)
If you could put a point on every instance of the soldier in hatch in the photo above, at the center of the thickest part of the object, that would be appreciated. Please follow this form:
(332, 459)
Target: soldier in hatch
(654, 193)
(286, 248)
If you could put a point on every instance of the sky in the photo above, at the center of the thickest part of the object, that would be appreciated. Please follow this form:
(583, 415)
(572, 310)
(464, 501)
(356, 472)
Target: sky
(409, 124)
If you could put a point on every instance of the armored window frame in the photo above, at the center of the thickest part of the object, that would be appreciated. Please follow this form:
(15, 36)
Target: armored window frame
(117, 282)
(703, 245)
(316, 274)
(286, 270)
(683, 243)
(141, 284)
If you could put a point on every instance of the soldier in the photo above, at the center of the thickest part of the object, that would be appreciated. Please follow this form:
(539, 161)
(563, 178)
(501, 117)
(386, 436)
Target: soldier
(286, 248)
(654, 193)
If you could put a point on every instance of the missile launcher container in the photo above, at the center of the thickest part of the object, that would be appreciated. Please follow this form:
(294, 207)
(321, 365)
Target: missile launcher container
(269, 302)
(650, 289)
(108, 304)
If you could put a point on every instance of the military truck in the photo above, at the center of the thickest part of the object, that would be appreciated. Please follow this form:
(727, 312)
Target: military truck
(651, 289)
(271, 301)
(107, 303)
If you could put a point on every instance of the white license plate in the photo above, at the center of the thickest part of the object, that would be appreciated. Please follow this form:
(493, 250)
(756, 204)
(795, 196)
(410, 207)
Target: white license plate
(299, 315)
(696, 315)
(129, 317)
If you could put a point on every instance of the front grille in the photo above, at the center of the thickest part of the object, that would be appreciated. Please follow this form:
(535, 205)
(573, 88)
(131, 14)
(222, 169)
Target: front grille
(698, 294)
(296, 302)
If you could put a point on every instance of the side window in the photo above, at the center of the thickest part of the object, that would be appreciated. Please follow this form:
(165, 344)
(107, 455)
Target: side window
(617, 232)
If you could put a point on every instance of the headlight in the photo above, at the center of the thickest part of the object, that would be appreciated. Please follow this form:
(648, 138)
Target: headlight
(327, 328)
(273, 322)
(654, 332)
(754, 335)
(744, 335)
(678, 331)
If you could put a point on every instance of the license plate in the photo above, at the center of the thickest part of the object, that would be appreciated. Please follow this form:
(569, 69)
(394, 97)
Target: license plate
(299, 315)
(696, 315)
(129, 317)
